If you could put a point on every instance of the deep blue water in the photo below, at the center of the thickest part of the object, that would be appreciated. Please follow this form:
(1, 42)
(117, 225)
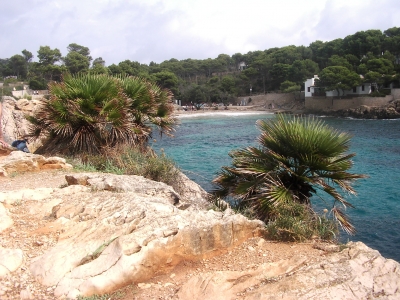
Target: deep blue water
(201, 146)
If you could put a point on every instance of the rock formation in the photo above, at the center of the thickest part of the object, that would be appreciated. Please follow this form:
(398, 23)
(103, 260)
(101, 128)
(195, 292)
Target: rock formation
(99, 232)
(390, 111)
(18, 161)
(357, 272)
(110, 230)
(14, 123)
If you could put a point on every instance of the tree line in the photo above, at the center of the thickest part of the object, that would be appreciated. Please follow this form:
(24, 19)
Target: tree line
(373, 54)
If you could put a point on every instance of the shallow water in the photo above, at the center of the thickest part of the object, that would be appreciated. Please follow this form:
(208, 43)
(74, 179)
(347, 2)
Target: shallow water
(202, 143)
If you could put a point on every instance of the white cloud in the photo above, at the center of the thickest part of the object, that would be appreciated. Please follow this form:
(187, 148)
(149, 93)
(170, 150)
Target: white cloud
(158, 30)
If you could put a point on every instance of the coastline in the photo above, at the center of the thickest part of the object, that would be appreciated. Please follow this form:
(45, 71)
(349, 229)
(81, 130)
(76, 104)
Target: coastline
(231, 110)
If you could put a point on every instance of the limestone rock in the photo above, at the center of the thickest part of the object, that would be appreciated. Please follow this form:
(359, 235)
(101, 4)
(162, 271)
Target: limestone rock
(193, 195)
(125, 229)
(357, 272)
(18, 161)
(27, 106)
(10, 260)
(5, 219)
(106, 231)
(14, 123)
(228, 284)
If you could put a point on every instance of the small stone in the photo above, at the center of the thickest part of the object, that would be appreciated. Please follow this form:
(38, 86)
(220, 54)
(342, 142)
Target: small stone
(260, 242)
(144, 286)
(172, 275)
(250, 248)
(26, 294)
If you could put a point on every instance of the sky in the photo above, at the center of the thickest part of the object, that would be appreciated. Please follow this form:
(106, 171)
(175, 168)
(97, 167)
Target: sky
(159, 30)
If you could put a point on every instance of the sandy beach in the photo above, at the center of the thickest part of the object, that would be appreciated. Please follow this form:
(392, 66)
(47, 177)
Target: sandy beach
(231, 111)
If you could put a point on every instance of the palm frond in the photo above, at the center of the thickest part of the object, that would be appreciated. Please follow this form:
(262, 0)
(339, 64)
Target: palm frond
(298, 157)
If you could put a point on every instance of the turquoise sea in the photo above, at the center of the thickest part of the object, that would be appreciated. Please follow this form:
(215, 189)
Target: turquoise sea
(202, 142)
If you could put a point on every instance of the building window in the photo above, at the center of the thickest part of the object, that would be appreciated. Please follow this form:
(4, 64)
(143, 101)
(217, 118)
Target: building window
(362, 88)
(354, 89)
(309, 89)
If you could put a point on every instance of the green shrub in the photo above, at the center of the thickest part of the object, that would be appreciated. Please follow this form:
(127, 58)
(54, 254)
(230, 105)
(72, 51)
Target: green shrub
(37, 84)
(10, 80)
(132, 161)
(6, 91)
(377, 94)
(296, 222)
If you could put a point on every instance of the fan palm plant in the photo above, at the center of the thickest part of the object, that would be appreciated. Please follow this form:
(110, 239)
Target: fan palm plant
(87, 113)
(298, 157)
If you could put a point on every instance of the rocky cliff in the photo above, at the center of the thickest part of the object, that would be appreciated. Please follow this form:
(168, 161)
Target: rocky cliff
(95, 233)
(13, 120)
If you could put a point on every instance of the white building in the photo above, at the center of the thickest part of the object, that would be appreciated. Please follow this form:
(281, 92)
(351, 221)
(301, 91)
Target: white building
(313, 91)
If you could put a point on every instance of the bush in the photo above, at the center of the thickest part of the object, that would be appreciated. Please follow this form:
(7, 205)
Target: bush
(296, 222)
(10, 80)
(378, 94)
(6, 91)
(133, 161)
(37, 84)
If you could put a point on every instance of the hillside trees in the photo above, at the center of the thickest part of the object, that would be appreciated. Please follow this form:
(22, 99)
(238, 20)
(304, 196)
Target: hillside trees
(99, 66)
(300, 70)
(48, 56)
(338, 78)
(18, 65)
(263, 71)
(48, 66)
(363, 42)
(167, 80)
(78, 58)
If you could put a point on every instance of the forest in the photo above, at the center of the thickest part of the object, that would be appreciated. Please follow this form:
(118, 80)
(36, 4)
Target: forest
(367, 56)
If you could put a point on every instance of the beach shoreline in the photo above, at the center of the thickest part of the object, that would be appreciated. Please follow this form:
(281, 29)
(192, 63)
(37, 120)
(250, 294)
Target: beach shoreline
(231, 110)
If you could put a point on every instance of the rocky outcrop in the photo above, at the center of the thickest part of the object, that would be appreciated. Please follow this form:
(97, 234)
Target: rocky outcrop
(357, 272)
(390, 111)
(99, 232)
(14, 123)
(18, 161)
(112, 230)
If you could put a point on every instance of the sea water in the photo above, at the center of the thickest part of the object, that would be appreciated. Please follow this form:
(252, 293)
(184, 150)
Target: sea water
(201, 144)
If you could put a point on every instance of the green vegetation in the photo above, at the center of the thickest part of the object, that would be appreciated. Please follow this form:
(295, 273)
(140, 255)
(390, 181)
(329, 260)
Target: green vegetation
(338, 78)
(298, 157)
(295, 222)
(116, 295)
(372, 53)
(90, 113)
(132, 161)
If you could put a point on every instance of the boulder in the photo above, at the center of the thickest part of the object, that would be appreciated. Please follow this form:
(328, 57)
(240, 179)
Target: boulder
(13, 120)
(5, 219)
(18, 161)
(10, 260)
